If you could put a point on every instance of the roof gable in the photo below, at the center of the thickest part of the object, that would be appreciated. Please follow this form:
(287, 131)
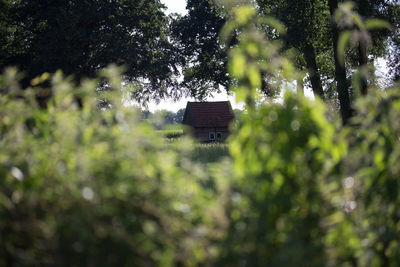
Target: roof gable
(208, 114)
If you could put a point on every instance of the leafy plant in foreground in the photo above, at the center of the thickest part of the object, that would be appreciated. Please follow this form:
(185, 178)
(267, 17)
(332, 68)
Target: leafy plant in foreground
(83, 186)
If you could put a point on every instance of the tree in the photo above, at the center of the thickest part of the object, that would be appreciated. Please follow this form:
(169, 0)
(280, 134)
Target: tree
(161, 118)
(304, 21)
(179, 115)
(308, 23)
(81, 36)
(205, 65)
(309, 31)
(4, 29)
(355, 26)
(393, 55)
(340, 71)
(372, 43)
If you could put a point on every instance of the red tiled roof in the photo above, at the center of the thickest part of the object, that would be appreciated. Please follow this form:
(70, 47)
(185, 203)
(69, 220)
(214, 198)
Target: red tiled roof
(209, 114)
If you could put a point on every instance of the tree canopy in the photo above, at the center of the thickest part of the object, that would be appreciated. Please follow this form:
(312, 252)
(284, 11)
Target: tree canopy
(81, 37)
(311, 38)
(197, 33)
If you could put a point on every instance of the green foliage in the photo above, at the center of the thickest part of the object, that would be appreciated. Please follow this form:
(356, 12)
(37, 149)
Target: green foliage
(256, 55)
(205, 64)
(308, 34)
(348, 19)
(305, 191)
(82, 186)
(285, 165)
(376, 172)
(80, 37)
(86, 185)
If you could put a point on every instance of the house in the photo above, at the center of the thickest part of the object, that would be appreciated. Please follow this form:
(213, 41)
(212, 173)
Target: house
(209, 120)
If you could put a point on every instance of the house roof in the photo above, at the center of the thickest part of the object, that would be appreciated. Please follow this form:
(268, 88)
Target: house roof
(208, 114)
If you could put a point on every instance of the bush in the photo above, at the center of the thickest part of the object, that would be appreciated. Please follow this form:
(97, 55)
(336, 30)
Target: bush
(307, 192)
(286, 161)
(83, 186)
(89, 186)
(374, 171)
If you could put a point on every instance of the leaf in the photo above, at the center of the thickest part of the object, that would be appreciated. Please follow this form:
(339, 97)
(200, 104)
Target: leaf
(254, 77)
(238, 65)
(357, 20)
(244, 13)
(374, 24)
(226, 32)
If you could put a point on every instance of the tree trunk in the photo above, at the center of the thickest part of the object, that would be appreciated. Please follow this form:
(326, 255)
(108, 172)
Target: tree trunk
(364, 11)
(363, 63)
(309, 54)
(340, 71)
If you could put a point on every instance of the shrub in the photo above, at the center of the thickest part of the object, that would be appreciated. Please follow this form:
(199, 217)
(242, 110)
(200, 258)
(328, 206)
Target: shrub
(286, 159)
(83, 186)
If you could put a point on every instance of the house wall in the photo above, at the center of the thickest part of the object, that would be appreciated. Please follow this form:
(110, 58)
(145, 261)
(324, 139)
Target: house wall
(202, 134)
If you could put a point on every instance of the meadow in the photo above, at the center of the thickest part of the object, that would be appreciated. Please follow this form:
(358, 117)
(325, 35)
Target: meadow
(210, 152)
(171, 131)
(200, 152)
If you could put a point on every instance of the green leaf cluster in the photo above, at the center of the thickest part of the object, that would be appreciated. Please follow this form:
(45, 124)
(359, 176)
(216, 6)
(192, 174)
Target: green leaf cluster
(305, 190)
(87, 186)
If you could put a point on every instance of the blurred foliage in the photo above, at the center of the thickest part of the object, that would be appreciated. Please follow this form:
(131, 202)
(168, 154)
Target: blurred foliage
(306, 191)
(375, 155)
(286, 162)
(83, 186)
(86, 185)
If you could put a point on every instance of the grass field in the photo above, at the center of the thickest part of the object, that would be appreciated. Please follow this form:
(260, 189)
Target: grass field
(211, 152)
(202, 152)
(172, 131)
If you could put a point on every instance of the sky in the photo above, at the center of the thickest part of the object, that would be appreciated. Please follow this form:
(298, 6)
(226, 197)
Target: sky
(179, 6)
(175, 6)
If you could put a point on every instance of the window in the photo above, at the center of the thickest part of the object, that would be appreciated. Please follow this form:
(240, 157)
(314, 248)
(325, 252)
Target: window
(211, 136)
(219, 136)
